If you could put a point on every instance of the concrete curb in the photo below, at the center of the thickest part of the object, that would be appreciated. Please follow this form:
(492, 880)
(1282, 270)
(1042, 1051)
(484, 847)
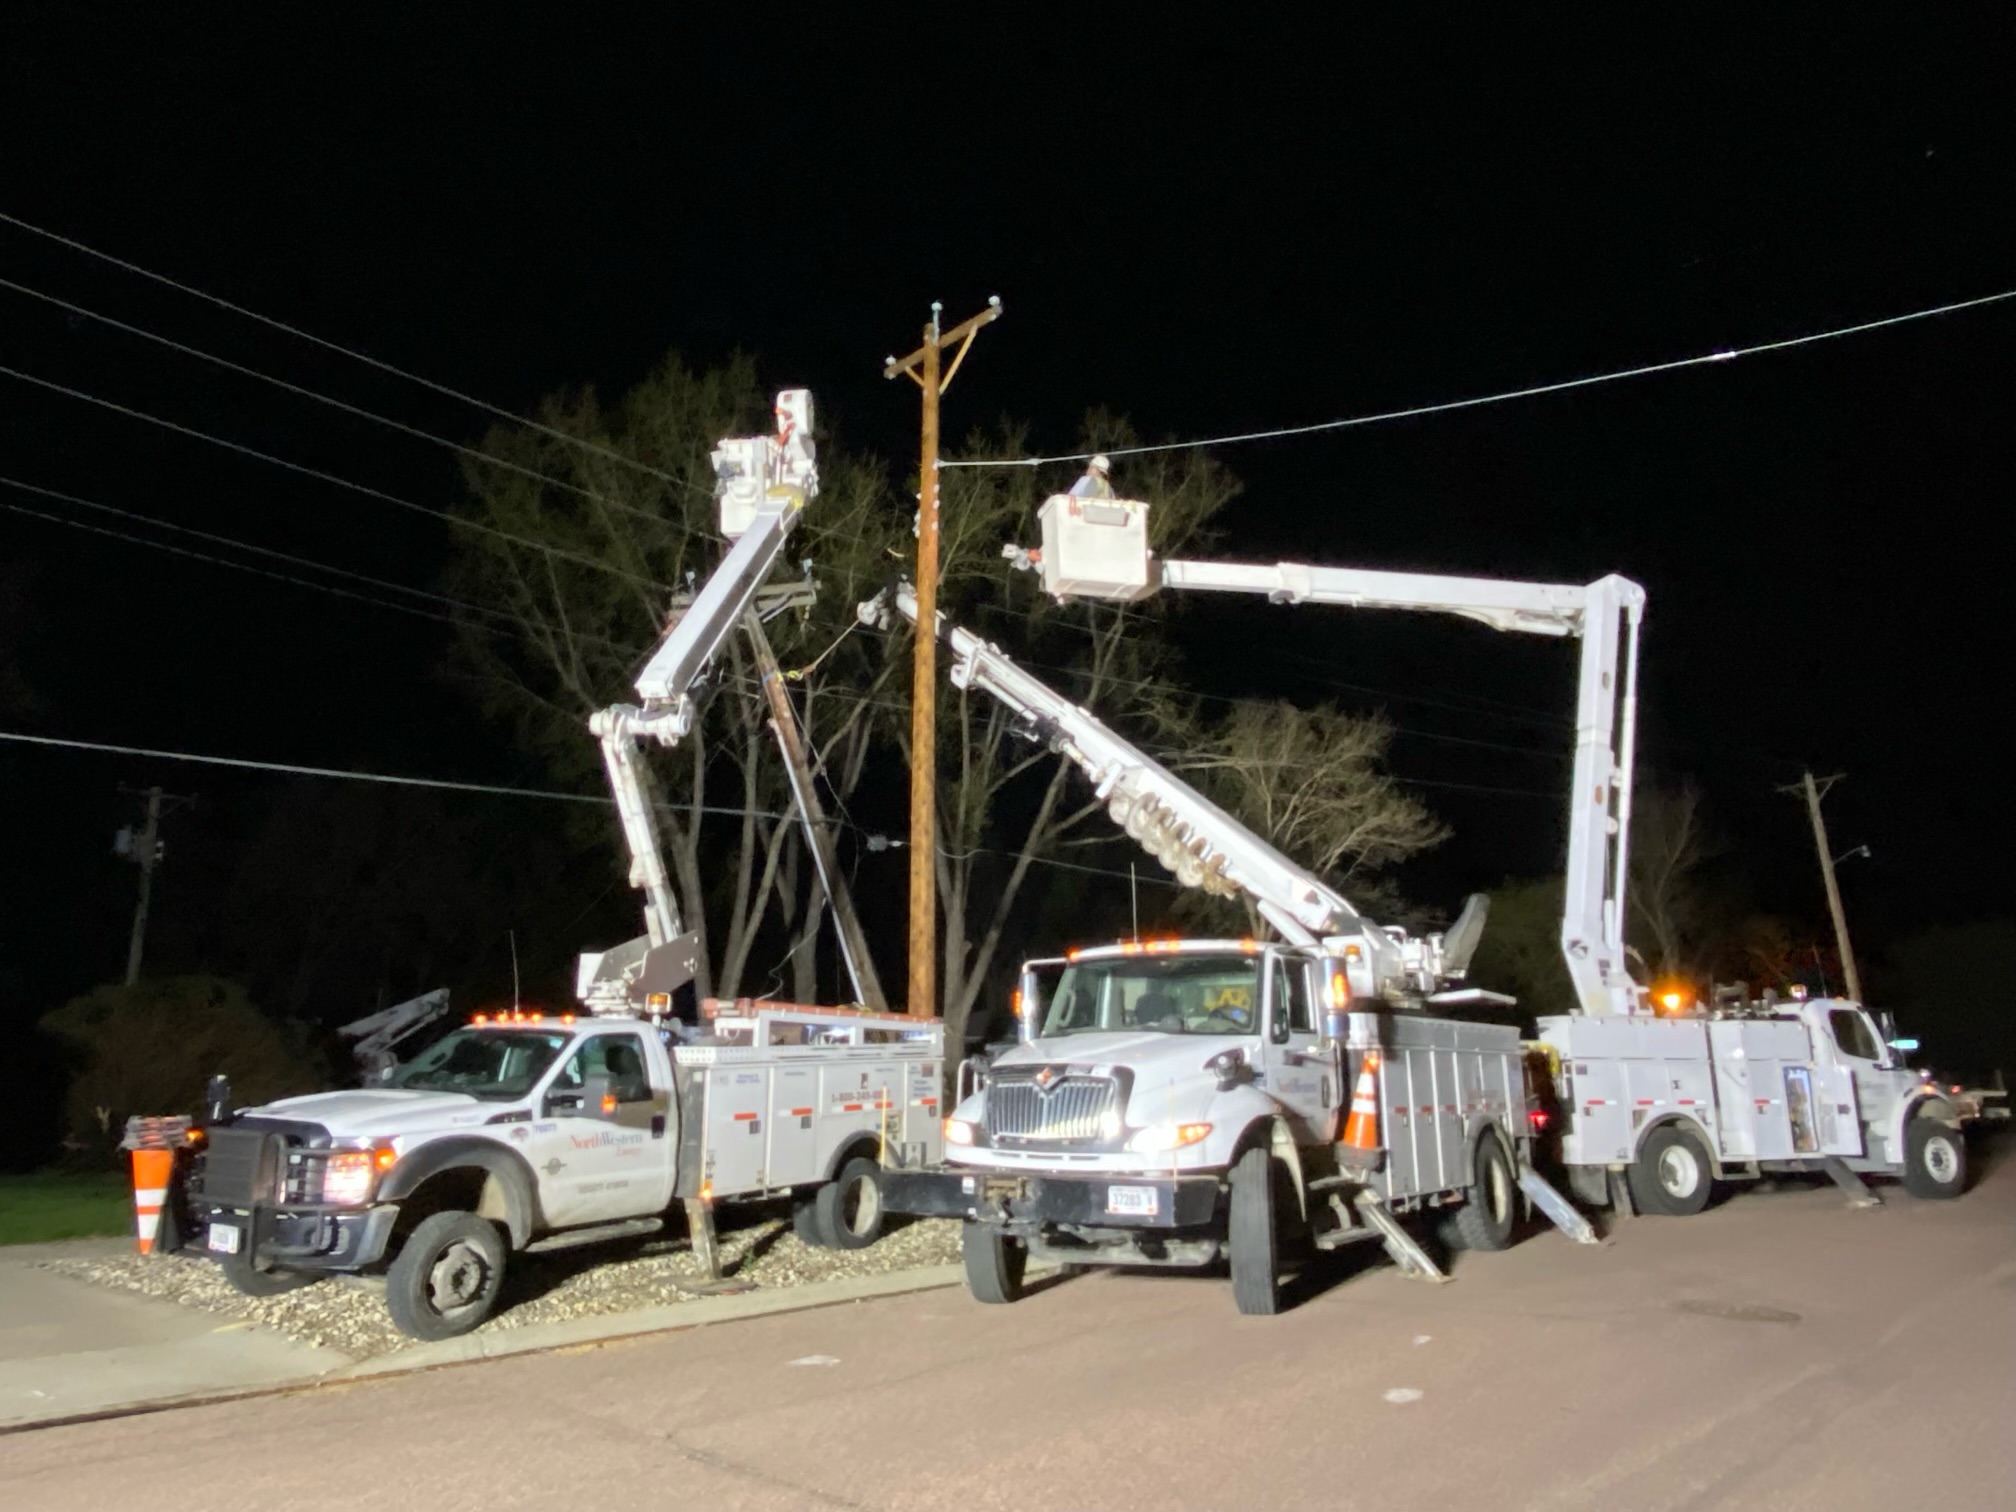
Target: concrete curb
(669, 1318)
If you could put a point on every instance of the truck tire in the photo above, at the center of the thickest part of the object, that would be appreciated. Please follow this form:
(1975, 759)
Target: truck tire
(1935, 1159)
(447, 1276)
(1253, 1237)
(1490, 1211)
(848, 1210)
(248, 1282)
(994, 1263)
(1671, 1176)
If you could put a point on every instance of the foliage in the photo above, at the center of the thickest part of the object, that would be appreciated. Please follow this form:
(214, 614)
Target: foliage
(149, 1048)
(1520, 952)
(1949, 986)
(44, 1208)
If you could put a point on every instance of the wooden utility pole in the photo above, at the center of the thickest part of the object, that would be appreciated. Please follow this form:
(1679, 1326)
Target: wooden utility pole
(818, 833)
(143, 849)
(1813, 789)
(923, 365)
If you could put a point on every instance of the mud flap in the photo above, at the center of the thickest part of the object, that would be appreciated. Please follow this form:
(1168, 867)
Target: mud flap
(1860, 1194)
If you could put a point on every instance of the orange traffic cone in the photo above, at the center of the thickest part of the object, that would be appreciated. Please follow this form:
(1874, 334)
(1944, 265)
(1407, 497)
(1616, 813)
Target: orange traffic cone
(152, 1171)
(1360, 1145)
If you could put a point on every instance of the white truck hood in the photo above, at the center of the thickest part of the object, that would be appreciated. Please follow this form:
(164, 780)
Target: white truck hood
(383, 1112)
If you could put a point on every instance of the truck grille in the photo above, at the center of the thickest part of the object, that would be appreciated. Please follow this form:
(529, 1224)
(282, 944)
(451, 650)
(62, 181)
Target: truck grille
(239, 1167)
(1070, 1110)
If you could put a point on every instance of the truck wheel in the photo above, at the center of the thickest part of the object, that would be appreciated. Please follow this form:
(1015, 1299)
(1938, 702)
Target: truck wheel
(1671, 1176)
(994, 1263)
(1486, 1218)
(1935, 1159)
(447, 1276)
(848, 1210)
(248, 1282)
(1256, 1278)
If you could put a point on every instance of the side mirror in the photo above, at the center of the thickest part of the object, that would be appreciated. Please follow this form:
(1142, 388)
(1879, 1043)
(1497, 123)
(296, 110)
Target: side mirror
(1230, 1067)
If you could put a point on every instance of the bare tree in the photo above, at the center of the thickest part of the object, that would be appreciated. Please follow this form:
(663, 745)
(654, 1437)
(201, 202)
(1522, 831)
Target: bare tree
(1670, 842)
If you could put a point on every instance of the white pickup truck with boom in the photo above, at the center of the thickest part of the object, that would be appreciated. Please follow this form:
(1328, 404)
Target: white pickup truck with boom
(523, 1132)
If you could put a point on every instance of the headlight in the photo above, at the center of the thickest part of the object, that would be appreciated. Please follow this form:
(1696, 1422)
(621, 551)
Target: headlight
(958, 1132)
(1159, 1139)
(348, 1176)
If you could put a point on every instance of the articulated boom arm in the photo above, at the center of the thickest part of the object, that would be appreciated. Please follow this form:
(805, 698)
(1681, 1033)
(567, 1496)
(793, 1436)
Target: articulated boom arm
(765, 483)
(1202, 844)
(1101, 551)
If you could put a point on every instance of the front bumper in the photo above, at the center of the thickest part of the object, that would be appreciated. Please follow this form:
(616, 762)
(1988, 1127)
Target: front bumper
(1030, 1203)
(304, 1238)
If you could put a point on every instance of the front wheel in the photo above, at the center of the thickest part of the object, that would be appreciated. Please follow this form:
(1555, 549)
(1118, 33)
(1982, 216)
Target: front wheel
(994, 1263)
(1671, 1176)
(1935, 1159)
(1253, 1237)
(447, 1276)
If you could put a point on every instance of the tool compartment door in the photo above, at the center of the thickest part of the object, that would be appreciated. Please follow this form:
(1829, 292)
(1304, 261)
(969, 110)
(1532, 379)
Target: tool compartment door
(793, 1126)
(1754, 1093)
(738, 1123)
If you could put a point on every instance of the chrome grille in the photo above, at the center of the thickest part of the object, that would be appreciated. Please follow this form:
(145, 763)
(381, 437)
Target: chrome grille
(1072, 1109)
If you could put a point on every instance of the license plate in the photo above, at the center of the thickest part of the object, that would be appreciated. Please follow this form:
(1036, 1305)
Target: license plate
(1131, 1200)
(224, 1238)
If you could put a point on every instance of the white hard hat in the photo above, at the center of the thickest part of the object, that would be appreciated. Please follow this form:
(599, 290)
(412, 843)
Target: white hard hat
(1100, 464)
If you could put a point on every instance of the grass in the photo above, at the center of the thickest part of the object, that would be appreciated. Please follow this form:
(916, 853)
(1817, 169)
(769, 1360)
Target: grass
(42, 1208)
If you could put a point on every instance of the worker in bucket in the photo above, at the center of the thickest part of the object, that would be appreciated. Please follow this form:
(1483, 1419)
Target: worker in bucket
(1095, 484)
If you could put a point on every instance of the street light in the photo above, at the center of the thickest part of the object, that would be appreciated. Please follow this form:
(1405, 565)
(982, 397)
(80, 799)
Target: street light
(1850, 855)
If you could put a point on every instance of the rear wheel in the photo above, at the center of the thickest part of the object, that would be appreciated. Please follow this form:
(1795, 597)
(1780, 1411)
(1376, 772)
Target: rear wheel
(848, 1209)
(447, 1276)
(1671, 1176)
(1935, 1159)
(1486, 1218)
(994, 1263)
(1253, 1237)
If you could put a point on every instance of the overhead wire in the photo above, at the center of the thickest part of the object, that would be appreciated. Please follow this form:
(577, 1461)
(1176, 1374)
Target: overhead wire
(246, 546)
(476, 453)
(1724, 354)
(460, 521)
(337, 347)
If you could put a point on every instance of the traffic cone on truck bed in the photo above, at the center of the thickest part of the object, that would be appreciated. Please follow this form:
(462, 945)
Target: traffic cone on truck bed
(153, 1170)
(1360, 1145)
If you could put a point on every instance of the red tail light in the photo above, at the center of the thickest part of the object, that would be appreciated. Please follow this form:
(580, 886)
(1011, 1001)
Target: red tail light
(1537, 1117)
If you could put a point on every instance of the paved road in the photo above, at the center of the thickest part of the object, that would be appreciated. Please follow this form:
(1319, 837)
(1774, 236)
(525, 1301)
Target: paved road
(1777, 1352)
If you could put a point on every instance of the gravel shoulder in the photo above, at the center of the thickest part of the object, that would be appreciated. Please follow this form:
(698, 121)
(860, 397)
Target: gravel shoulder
(347, 1314)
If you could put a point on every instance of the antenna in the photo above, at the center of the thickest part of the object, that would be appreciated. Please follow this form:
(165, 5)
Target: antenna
(514, 969)
(1134, 899)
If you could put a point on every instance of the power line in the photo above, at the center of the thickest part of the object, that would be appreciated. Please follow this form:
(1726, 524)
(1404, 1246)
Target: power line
(203, 556)
(309, 336)
(329, 477)
(224, 540)
(1726, 354)
(320, 398)
(391, 779)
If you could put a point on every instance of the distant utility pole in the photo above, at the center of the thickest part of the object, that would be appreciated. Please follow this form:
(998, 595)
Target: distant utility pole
(922, 365)
(145, 849)
(1813, 789)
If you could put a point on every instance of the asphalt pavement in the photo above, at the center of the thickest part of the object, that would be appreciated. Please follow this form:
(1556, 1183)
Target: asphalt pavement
(1778, 1352)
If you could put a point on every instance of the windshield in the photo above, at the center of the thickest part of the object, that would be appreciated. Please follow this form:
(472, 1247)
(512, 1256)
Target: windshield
(1177, 994)
(488, 1063)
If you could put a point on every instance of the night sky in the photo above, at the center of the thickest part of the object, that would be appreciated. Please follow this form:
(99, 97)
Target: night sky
(1211, 229)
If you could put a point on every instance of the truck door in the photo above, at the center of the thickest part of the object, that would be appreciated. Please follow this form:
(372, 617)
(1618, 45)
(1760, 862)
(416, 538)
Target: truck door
(1863, 1066)
(1301, 1070)
(594, 1169)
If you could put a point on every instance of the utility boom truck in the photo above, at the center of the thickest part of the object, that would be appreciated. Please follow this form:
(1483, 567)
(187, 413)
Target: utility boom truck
(1656, 1107)
(1175, 1101)
(523, 1132)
